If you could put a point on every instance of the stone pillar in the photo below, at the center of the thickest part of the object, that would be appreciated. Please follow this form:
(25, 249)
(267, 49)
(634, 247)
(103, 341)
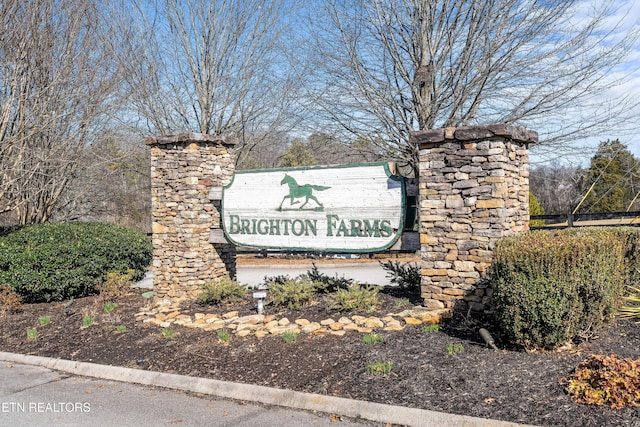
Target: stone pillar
(185, 170)
(474, 190)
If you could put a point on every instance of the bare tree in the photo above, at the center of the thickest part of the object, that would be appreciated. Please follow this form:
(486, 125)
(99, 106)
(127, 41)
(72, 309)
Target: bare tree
(392, 66)
(57, 83)
(113, 185)
(215, 67)
(558, 187)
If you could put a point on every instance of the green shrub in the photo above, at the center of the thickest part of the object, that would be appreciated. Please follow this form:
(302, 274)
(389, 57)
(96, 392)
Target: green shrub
(406, 276)
(222, 291)
(57, 261)
(550, 287)
(292, 293)
(355, 297)
(326, 283)
(116, 285)
(269, 280)
(631, 237)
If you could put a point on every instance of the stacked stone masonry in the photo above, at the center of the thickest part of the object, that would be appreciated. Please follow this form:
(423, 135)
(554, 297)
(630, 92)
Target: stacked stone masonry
(474, 190)
(184, 171)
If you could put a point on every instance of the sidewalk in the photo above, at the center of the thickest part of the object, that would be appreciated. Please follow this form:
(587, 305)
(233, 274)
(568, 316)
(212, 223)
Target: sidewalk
(41, 391)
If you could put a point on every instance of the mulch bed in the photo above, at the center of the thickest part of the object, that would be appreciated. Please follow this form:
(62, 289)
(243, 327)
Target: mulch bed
(509, 385)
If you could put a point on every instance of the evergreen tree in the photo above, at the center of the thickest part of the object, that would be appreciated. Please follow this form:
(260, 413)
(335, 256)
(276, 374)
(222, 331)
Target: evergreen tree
(298, 154)
(535, 209)
(613, 179)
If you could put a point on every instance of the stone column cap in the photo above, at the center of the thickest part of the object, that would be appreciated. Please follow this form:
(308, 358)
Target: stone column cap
(468, 133)
(190, 137)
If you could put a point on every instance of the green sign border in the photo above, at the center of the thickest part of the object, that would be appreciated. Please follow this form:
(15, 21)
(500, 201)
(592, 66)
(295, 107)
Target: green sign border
(335, 250)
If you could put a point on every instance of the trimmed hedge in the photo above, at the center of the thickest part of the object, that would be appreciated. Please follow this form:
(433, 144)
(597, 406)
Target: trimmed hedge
(57, 261)
(550, 287)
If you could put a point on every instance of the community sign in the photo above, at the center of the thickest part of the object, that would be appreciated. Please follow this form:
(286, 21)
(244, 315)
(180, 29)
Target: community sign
(351, 208)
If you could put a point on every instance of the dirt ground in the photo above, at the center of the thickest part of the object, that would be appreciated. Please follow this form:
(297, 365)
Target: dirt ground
(507, 384)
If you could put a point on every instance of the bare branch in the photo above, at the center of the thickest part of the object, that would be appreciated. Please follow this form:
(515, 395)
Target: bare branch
(57, 82)
(214, 67)
(392, 66)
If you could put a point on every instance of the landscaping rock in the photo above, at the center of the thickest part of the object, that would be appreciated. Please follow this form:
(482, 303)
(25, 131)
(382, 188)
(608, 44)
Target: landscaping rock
(373, 323)
(284, 321)
(310, 328)
(336, 326)
(261, 333)
(278, 330)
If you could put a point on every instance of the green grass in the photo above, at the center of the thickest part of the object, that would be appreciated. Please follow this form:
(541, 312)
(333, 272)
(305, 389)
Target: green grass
(433, 327)
(88, 320)
(379, 368)
(167, 333)
(110, 306)
(32, 334)
(44, 320)
(372, 339)
(121, 328)
(223, 336)
(455, 348)
(401, 302)
(289, 337)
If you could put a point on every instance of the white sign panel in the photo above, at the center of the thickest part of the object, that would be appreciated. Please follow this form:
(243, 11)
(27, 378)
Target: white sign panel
(353, 208)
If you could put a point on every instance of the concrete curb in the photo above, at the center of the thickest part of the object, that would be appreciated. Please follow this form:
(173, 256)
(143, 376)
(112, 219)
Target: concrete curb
(271, 396)
(305, 265)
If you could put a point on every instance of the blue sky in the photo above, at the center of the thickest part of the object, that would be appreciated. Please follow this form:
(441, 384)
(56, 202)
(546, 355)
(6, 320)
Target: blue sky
(627, 17)
(631, 19)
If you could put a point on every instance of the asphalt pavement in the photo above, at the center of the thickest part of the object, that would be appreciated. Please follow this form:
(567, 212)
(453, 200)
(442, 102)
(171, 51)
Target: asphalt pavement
(366, 272)
(38, 396)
